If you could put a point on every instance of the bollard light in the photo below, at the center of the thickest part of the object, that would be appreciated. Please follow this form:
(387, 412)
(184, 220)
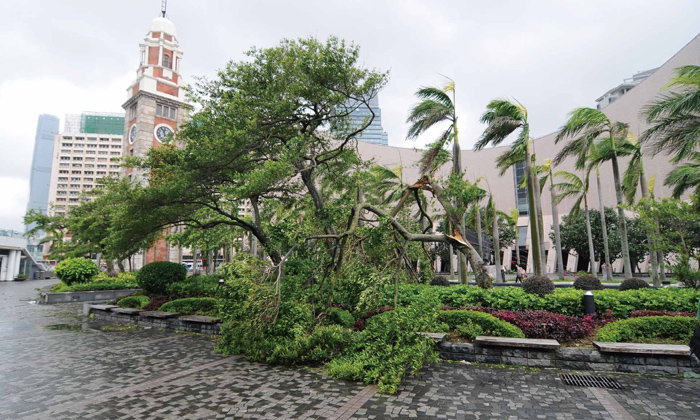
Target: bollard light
(588, 302)
(221, 283)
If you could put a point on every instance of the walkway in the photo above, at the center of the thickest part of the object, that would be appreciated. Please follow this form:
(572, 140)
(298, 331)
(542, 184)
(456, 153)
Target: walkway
(56, 365)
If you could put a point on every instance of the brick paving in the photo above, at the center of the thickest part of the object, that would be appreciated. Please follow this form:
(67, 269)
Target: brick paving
(57, 365)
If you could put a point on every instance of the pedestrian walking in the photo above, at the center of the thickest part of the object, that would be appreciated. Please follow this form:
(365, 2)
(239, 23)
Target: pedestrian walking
(519, 274)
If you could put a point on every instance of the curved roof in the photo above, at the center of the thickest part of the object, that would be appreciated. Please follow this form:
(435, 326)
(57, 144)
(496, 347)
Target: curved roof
(161, 24)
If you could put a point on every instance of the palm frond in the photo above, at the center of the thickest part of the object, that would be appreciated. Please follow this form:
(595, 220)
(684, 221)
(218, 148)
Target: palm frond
(425, 115)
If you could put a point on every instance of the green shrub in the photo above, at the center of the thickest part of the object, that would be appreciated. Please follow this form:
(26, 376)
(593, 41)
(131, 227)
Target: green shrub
(155, 277)
(137, 302)
(649, 328)
(487, 323)
(187, 306)
(255, 326)
(125, 277)
(389, 347)
(119, 285)
(469, 330)
(195, 286)
(633, 284)
(538, 285)
(341, 317)
(324, 343)
(76, 270)
(565, 301)
(582, 282)
(440, 281)
(688, 276)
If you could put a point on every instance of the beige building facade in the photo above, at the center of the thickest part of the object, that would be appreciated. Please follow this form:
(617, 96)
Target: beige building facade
(80, 161)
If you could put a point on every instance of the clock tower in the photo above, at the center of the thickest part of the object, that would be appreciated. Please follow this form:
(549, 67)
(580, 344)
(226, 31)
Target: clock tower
(155, 105)
(155, 108)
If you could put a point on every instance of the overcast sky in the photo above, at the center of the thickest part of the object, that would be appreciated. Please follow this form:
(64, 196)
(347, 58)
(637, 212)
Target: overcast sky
(66, 56)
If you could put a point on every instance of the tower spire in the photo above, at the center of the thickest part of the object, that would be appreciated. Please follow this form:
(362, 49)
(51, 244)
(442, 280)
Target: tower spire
(163, 6)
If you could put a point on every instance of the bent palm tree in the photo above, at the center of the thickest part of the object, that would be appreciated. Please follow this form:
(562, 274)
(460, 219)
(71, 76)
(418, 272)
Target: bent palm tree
(581, 147)
(503, 118)
(575, 187)
(675, 117)
(592, 124)
(547, 169)
(437, 107)
(634, 178)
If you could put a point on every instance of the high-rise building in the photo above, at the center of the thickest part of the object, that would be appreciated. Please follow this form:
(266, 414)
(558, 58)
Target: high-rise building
(374, 133)
(40, 178)
(81, 158)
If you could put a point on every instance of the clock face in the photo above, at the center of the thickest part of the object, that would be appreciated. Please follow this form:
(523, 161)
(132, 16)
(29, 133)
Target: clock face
(163, 132)
(133, 133)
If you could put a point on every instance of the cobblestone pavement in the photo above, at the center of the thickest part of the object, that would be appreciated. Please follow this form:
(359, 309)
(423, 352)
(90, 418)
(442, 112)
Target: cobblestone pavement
(57, 365)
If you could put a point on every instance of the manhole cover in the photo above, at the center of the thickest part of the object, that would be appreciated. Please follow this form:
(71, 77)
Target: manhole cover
(591, 381)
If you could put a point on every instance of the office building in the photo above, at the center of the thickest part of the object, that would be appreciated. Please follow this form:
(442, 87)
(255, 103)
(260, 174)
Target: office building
(81, 158)
(375, 132)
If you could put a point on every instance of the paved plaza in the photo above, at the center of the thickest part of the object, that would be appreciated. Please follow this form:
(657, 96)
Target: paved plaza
(57, 365)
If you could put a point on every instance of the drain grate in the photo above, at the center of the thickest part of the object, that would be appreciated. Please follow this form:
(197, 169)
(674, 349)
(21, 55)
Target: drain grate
(591, 381)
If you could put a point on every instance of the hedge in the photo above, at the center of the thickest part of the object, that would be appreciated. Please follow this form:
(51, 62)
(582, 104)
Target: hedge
(487, 324)
(565, 301)
(679, 328)
(137, 302)
(194, 286)
(188, 306)
(103, 285)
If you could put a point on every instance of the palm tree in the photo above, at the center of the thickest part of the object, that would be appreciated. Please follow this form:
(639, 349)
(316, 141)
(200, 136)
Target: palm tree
(437, 107)
(581, 147)
(634, 178)
(547, 170)
(675, 117)
(503, 118)
(573, 186)
(593, 124)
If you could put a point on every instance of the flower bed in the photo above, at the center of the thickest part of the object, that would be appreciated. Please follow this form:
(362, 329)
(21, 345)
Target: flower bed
(565, 301)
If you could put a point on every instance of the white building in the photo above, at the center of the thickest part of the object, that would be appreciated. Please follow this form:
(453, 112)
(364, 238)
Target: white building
(80, 161)
(615, 93)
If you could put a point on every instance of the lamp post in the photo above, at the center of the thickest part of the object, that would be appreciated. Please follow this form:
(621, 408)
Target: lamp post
(588, 301)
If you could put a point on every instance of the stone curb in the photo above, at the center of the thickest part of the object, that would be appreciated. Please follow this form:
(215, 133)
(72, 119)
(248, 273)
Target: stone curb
(570, 358)
(149, 321)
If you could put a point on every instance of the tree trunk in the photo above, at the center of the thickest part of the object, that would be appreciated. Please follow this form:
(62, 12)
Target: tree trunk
(621, 217)
(591, 251)
(497, 247)
(517, 245)
(650, 236)
(540, 224)
(480, 250)
(555, 222)
(608, 270)
(534, 230)
(457, 169)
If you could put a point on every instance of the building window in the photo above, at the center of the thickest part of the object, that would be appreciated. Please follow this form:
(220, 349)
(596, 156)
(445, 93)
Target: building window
(166, 60)
(166, 111)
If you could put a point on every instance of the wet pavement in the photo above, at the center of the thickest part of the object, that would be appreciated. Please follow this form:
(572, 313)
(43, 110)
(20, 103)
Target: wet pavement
(56, 364)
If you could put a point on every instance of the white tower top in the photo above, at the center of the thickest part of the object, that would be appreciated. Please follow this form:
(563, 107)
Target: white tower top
(161, 24)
